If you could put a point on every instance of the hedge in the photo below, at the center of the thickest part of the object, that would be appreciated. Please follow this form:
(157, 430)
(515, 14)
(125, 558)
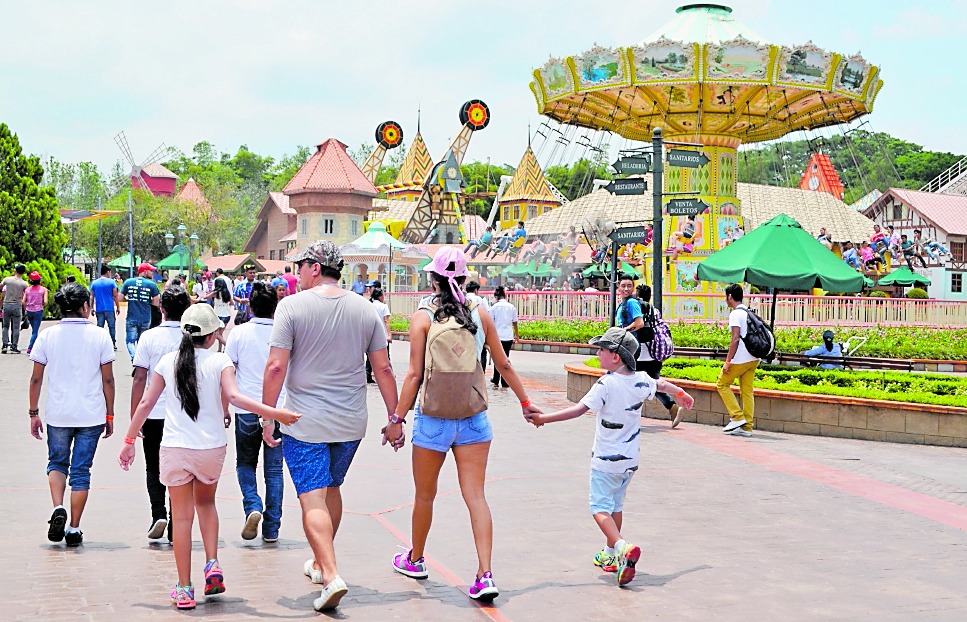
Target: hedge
(891, 386)
(885, 342)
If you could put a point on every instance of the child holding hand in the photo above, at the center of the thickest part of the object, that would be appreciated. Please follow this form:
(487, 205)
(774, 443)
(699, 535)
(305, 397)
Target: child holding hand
(617, 398)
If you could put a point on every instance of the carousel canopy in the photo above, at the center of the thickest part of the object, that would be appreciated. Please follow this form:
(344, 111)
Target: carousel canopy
(375, 237)
(705, 73)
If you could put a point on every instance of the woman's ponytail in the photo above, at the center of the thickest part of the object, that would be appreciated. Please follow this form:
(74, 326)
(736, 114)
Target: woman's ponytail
(186, 379)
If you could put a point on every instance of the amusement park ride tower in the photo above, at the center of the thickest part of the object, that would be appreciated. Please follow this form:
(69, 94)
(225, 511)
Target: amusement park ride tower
(704, 78)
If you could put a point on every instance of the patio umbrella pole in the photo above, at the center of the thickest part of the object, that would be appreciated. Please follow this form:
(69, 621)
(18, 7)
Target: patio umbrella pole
(772, 317)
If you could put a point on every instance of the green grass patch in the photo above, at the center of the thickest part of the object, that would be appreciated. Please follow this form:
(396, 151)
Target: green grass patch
(892, 386)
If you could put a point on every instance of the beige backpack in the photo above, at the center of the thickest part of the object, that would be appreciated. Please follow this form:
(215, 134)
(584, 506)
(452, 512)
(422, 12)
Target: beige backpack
(454, 386)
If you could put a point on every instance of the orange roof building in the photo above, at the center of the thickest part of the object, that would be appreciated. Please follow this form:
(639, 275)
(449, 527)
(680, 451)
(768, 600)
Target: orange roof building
(821, 175)
(199, 209)
(528, 195)
(330, 196)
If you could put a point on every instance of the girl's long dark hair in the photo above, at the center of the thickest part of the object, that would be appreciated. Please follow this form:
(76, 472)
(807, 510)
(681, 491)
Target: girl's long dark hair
(448, 306)
(221, 290)
(186, 378)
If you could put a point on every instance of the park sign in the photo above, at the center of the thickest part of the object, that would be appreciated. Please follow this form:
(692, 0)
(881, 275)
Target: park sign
(632, 165)
(632, 185)
(686, 207)
(688, 159)
(627, 235)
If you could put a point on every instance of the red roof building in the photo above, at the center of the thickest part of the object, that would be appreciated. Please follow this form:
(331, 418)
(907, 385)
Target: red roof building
(158, 179)
(821, 175)
(330, 196)
(274, 235)
(198, 206)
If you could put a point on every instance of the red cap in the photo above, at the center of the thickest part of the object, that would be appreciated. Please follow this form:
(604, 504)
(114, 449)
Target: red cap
(34, 276)
(146, 267)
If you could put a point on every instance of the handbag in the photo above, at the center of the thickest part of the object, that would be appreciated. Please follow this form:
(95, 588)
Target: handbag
(24, 325)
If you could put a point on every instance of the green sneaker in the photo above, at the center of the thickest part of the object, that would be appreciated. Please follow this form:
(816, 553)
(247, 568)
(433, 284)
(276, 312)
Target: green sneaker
(607, 563)
(626, 563)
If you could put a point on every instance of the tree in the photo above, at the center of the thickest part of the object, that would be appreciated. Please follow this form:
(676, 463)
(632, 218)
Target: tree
(30, 228)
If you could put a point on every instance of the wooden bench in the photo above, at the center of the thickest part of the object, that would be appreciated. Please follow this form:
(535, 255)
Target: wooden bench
(848, 362)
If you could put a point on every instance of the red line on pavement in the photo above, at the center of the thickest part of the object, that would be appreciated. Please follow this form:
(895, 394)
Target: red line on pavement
(938, 510)
(489, 610)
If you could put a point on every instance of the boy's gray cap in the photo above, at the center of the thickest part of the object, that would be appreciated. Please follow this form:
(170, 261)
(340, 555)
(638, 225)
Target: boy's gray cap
(621, 341)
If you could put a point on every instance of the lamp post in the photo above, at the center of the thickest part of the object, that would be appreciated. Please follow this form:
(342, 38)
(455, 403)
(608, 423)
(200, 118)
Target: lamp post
(181, 248)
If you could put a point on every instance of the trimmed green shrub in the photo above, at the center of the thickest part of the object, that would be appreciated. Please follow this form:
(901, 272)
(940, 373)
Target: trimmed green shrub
(905, 342)
(917, 293)
(936, 389)
(877, 293)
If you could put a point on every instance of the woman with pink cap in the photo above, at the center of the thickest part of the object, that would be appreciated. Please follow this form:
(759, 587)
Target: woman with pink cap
(434, 436)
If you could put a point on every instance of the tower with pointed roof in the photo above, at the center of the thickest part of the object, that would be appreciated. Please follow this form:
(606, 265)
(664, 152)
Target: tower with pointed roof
(192, 196)
(528, 195)
(821, 175)
(330, 196)
(415, 170)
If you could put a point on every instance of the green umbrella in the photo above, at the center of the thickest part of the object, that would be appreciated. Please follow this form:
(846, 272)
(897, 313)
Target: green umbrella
(782, 255)
(605, 270)
(174, 261)
(514, 269)
(124, 261)
(868, 281)
(904, 276)
(542, 271)
(376, 236)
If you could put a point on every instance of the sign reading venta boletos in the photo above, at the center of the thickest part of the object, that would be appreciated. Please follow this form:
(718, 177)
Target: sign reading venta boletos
(627, 235)
(632, 165)
(686, 207)
(633, 185)
(688, 159)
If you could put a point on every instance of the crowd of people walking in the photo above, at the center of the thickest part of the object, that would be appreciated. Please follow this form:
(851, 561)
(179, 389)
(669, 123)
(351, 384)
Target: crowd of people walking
(187, 373)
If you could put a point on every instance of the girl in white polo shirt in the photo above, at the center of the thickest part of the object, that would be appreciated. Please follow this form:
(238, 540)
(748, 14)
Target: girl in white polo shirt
(194, 380)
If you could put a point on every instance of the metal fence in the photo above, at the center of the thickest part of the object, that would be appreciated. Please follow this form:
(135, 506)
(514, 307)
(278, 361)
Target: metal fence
(790, 310)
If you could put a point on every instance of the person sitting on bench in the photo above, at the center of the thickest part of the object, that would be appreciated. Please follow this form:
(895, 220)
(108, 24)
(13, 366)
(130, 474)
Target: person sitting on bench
(828, 348)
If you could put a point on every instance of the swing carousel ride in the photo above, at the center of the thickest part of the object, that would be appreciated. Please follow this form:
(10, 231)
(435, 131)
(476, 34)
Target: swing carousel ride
(711, 83)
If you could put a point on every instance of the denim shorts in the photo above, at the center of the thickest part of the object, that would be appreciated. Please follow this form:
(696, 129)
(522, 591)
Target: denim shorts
(317, 465)
(441, 434)
(75, 463)
(608, 491)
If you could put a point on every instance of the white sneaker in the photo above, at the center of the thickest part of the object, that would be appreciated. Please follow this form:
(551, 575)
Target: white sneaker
(330, 595)
(251, 528)
(314, 574)
(733, 424)
(740, 432)
(158, 529)
(676, 412)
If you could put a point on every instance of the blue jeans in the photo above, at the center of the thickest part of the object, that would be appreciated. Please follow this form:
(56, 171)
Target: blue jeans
(35, 318)
(134, 330)
(75, 463)
(109, 318)
(248, 441)
(440, 435)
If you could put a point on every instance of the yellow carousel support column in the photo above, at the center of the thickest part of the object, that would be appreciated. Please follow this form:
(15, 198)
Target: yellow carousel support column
(713, 182)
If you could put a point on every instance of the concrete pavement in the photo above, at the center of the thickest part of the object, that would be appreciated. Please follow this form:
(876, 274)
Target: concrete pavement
(776, 527)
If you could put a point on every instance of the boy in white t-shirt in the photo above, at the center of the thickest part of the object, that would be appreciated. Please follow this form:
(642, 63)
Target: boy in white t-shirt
(617, 398)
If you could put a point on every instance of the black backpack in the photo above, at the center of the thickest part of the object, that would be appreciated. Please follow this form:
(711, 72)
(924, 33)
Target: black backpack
(758, 340)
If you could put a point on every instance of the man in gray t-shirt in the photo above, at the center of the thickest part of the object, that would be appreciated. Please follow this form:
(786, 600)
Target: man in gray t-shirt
(12, 289)
(318, 348)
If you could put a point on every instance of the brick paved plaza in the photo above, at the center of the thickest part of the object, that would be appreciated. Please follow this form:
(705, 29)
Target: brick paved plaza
(776, 527)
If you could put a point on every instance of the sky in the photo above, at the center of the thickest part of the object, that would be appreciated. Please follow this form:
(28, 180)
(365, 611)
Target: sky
(275, 75)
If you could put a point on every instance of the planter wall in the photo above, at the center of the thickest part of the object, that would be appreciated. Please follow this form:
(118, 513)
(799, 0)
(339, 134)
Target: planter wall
(803, 413)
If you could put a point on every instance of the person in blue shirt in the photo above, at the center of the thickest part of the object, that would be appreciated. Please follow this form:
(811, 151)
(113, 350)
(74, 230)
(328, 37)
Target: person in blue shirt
(484, 240)
(105, 294)
(520, 232)
(141, 293)
(851, 257)
(242, 294)
(359, 286)
(829, 348)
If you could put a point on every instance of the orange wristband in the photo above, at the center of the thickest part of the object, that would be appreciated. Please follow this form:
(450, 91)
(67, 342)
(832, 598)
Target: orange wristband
(109, 418)
(128, 440)
(525, 403)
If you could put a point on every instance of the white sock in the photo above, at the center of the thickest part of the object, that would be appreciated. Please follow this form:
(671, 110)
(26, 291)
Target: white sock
(608, 550)
(73, 530)
(620, 545)
(60, 507)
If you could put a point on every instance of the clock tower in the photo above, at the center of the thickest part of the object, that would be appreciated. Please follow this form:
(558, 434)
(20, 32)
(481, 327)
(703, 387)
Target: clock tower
(821, 176)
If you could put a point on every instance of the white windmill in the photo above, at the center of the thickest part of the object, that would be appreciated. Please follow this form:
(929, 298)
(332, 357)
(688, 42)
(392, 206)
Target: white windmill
(150, 175)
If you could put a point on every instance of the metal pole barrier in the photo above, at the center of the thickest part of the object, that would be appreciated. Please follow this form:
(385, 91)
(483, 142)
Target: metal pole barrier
(658, 256)
(614, 280)
(99, 256)
(130, 235)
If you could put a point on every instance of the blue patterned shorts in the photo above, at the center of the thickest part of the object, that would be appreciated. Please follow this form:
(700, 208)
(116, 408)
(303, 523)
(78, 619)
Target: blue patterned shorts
(317, 465)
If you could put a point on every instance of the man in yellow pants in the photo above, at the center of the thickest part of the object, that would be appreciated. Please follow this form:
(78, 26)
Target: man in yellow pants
(738, 364)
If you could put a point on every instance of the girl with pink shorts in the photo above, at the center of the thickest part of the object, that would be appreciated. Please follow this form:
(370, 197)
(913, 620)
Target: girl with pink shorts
(194, 380)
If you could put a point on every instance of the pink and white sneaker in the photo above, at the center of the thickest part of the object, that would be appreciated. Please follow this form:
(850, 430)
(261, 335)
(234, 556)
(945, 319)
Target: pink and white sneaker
(484, 588)
(414, 570)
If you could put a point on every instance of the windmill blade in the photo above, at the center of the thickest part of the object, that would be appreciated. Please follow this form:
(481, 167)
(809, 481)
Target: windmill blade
(157, 155)
(122, 142)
